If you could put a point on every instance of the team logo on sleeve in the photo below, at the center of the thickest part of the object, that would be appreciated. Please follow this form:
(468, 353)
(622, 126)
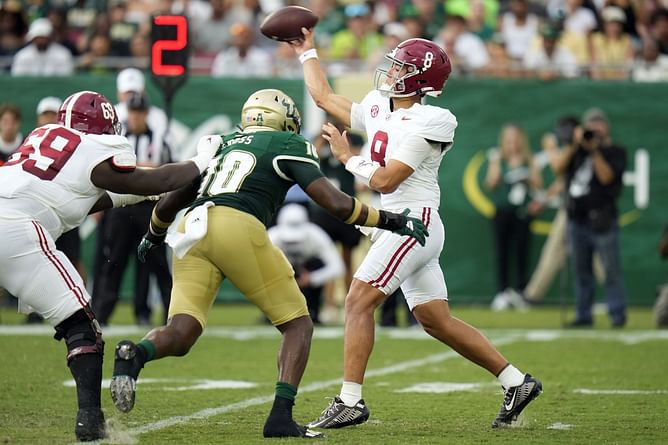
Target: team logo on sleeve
(374, 111)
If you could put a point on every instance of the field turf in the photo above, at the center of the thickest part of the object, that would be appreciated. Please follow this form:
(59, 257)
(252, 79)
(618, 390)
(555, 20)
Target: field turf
(601, 386)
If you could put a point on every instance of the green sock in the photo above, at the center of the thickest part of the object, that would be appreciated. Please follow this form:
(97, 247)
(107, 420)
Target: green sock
(149, 349)
(286, 391)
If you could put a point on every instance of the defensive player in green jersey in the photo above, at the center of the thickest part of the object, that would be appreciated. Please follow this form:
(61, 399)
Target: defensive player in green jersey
(224, 236)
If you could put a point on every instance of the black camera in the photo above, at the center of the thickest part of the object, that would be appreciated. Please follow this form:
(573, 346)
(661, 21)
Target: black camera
(588, 135)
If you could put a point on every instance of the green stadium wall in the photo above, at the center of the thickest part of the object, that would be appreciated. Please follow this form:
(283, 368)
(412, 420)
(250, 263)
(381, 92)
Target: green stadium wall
(639, 118)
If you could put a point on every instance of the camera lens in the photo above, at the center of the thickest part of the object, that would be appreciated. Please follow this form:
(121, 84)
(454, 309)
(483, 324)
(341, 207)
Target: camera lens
(588, 135)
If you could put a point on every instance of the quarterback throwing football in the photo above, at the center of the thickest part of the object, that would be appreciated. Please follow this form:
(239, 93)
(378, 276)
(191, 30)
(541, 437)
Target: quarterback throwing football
(408, 141)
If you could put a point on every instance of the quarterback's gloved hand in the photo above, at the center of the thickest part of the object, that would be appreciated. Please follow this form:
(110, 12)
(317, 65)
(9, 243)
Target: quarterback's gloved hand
(148, 243)
(402, 224)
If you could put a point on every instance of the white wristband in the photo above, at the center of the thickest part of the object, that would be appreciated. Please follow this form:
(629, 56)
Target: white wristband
(362, 168)
(308, 54)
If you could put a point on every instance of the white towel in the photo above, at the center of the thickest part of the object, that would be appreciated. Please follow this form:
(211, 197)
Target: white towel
(195, 229)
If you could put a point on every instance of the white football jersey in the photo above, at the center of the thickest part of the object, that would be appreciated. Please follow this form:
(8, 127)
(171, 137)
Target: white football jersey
(48, 178)
(418, 137)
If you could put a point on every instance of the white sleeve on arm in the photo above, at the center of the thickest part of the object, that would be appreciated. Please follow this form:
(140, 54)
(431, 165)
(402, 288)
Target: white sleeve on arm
(414, 149)
(357, 117)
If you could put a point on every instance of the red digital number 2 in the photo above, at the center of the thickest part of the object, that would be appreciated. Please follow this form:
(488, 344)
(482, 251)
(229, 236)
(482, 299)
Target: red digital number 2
(378, 147)
(55, 146)
(177, 44)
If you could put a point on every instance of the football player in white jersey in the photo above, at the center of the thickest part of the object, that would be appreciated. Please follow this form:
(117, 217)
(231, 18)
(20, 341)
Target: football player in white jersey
(408, 141)
(61, 173)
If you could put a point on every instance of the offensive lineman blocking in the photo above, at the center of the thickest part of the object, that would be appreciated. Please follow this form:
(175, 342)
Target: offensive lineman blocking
(408, 143)
(60, 174)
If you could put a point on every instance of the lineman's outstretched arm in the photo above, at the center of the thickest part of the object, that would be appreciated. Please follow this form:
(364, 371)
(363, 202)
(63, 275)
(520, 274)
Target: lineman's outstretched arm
(351, 211)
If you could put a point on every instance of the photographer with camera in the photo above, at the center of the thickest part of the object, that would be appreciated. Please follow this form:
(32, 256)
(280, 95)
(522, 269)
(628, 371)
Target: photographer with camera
(593, 166)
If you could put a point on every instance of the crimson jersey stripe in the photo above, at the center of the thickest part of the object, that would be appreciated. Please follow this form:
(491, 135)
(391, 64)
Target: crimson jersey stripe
(398, 256)
(58, 265)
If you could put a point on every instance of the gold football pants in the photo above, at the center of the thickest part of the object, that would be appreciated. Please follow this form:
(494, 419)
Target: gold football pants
(236, 246)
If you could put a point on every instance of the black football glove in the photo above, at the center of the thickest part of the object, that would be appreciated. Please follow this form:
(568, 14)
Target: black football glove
(148, 243)
(402, 224)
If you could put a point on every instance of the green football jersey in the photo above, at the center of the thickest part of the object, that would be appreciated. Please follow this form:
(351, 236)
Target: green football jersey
(253, 171)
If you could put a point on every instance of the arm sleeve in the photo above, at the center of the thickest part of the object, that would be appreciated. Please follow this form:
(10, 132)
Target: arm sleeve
(302, 172)
(414, 149)
(357, 117)
(333, 264)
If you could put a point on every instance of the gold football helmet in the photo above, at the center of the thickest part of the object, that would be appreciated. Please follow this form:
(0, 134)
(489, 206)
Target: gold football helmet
(271, 108)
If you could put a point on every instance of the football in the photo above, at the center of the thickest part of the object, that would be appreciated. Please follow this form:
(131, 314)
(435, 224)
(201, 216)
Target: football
(286, 23)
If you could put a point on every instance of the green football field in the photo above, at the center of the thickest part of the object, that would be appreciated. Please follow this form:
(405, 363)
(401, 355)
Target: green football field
(600, 385)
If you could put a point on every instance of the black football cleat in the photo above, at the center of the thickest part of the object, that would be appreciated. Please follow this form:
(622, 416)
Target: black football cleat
(90, 425)
(289, 429)
(516, 399)
(126, 370)
(338, 415)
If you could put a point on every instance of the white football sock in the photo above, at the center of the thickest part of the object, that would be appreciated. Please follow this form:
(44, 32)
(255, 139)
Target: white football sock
(510, 376)
(351, 393)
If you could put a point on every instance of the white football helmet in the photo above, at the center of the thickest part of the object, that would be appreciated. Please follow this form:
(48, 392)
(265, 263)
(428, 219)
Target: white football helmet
(271, 108)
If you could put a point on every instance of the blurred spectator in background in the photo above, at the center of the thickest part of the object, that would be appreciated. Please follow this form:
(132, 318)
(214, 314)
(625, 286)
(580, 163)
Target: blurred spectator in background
(661, 305)
(61, 29)
(285, 65)
(466, 50)
(651, 65)
(128, 224)
(476, 21)
(120, 30)
(13, 27)
(547, 58)
(410, 18)
(243, 58)
(658, 29)
(330, 21)
(42, 56)
(360, 38)
(612, 49)
(518, 28)
(47, 110)
(101, 26)
(512, 176)
(464, 8)
(393, 34)
(422, 18)
(93, 57)
(10, 130)
(140, 47)
(310, 251)
(213, 34)
(594, 166)
(132, 80)
(578, 19)
(553, 255)
(633, 10)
